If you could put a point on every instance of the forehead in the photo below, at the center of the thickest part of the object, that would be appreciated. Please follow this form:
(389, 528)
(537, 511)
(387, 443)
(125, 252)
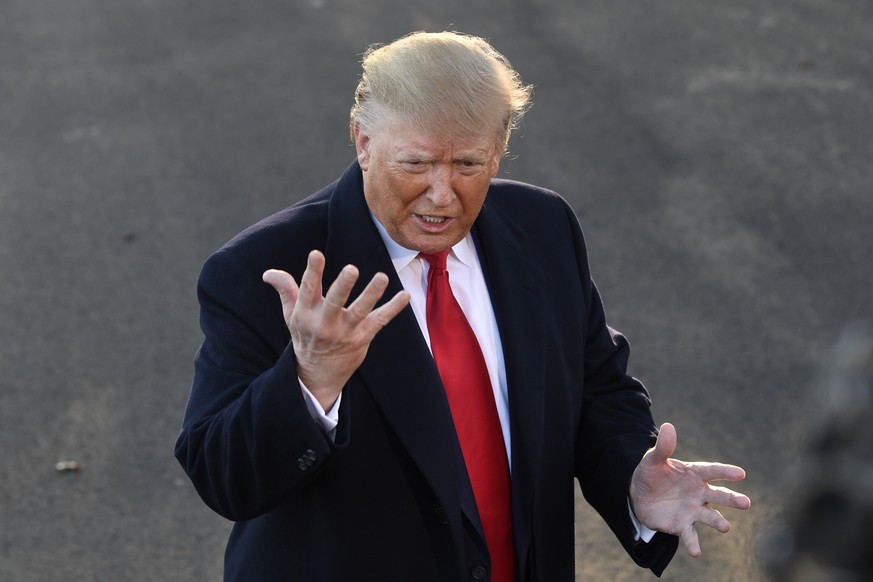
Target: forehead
(411, 140)
(398, 136)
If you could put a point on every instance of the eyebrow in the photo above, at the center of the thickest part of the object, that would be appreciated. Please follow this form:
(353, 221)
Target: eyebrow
(473, 156)
(422, 155)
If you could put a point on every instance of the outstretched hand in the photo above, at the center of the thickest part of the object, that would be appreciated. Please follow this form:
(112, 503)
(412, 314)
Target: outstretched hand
(331, 340)
(670, 495)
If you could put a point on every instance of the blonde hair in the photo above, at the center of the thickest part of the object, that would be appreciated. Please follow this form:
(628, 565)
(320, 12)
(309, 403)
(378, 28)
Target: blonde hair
(445, 81)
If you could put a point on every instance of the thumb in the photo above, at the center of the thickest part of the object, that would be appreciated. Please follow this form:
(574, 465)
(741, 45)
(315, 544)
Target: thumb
(666, 443)
(284, 284)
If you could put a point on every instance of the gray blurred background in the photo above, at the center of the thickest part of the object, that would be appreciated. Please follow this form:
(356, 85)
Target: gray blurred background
(719, 155)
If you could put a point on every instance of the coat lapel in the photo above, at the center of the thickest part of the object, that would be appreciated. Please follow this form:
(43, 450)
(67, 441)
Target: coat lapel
(514, 282)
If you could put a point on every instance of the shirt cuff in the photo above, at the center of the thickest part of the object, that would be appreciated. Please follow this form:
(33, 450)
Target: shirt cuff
(325, 419)
(642, 532)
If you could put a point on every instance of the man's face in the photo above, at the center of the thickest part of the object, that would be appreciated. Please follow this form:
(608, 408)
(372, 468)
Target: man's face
(426, 189)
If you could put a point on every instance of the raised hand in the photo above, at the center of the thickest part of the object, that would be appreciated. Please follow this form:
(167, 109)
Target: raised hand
(670, 495)
(331, 340)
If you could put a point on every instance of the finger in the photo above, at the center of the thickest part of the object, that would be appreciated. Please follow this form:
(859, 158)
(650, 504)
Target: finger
(338, 293)
(284, 284)
(717, 471)
(363, 305)
(714, 519)
(727, 498)
(380, 317)
(665, 446)
(689, 538)
(310, 283)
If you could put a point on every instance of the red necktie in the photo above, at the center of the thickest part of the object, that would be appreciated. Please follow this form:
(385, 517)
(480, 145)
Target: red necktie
(471, 399)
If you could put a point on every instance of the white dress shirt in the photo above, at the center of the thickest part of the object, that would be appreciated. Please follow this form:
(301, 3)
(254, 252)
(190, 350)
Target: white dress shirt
(471, 293)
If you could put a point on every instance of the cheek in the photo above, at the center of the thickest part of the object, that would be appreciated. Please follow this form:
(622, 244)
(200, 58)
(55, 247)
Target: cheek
(474, 198)
(393, 206)
(405, 190)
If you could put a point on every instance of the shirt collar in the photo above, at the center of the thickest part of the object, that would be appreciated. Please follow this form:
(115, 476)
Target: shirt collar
(402, 256)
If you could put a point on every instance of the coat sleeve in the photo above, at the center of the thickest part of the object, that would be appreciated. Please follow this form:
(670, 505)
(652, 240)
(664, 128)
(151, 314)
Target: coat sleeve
(616, 425)
(247, 438)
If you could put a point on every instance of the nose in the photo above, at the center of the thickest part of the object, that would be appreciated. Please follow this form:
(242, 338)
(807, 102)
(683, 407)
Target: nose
(440, 192)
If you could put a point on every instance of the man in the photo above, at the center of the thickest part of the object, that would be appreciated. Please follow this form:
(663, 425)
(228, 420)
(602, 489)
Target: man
(406, 424)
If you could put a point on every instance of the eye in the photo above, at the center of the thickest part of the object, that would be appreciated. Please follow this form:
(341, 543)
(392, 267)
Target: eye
(469, 166)
(415, 166)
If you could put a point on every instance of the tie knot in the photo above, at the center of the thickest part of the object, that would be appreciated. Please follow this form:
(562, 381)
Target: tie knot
(436, 260)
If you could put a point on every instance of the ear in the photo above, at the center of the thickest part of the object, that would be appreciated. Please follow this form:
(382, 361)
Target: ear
(362, 147)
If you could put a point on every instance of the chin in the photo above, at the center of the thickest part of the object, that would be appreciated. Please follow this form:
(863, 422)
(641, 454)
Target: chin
(437, 243)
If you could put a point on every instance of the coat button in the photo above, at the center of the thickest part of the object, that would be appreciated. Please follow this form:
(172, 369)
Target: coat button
(478, 573)
(441, 516)
(307, 459)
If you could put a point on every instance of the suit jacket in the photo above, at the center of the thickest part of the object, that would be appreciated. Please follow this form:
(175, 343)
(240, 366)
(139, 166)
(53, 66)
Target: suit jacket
(388, 499)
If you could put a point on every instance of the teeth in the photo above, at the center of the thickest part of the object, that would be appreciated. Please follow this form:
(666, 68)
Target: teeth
(433, 219)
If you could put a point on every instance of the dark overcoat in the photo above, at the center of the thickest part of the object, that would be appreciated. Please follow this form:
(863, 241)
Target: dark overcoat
(388, 499)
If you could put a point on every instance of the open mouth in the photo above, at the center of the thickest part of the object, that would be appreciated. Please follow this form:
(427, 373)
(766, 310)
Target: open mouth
(433, 219)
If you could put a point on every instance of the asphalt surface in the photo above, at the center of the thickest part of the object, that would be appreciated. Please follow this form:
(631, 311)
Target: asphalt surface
(719, 156)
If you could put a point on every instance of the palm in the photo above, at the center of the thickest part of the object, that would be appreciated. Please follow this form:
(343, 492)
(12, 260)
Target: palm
(670, 495)
(330, 340)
